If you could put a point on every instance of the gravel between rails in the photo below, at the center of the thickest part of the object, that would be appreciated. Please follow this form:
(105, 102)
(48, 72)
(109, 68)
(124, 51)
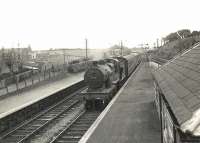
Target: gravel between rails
(55, 127)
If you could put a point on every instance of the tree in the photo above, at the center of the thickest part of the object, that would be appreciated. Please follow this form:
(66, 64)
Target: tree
(180, 34)
(195, 33)
(171, 37)
(184, 33)
(9, 61)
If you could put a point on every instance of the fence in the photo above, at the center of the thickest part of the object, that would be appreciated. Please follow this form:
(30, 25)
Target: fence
(29, 78)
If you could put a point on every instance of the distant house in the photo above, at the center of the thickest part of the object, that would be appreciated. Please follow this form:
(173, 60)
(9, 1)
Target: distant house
(32, 55)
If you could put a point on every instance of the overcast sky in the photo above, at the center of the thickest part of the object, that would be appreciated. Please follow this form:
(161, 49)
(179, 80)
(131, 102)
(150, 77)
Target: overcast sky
(46, 24)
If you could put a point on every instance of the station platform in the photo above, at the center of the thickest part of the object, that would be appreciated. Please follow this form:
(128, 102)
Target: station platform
(131, 117)
(13, 103)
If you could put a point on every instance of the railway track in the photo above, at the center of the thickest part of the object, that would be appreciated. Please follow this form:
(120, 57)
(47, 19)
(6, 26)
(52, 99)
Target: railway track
(77, 128)
(31, 127)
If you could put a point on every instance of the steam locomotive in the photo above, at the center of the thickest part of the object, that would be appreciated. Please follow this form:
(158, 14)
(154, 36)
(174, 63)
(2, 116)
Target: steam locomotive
(105, 77)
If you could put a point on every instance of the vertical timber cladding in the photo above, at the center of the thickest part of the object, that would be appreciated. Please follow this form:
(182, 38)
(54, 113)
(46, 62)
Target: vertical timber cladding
(157, 99)
(167, 124)
(169, 134)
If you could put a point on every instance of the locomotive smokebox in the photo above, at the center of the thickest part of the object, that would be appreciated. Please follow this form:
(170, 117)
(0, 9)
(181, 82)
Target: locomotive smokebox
(95, 77)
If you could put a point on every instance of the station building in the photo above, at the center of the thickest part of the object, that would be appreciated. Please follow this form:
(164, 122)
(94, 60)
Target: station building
(178, 97)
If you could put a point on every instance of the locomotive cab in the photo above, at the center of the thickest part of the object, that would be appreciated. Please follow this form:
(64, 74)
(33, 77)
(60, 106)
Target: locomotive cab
(123, 63)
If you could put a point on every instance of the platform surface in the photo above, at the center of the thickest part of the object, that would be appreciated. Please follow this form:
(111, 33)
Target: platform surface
(132, 118)
(13, 103)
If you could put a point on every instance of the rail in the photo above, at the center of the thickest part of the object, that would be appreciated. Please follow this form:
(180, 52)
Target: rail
(77, 128)
(159, 61)
(36, 124)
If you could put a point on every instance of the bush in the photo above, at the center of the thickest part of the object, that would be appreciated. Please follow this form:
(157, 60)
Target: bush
(171, 49)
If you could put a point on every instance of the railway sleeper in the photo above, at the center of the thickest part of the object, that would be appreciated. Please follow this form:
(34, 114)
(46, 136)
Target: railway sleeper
(66, 141)
(75, 133)
(71, 137)
(80, 125)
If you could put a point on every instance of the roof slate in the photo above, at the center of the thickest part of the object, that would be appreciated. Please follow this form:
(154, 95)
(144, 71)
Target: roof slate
(179, 80)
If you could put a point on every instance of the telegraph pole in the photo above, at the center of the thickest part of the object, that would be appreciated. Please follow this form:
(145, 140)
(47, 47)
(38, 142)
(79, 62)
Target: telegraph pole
(86, 49)
(157, 41)
(63, 56)
(121, 46)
